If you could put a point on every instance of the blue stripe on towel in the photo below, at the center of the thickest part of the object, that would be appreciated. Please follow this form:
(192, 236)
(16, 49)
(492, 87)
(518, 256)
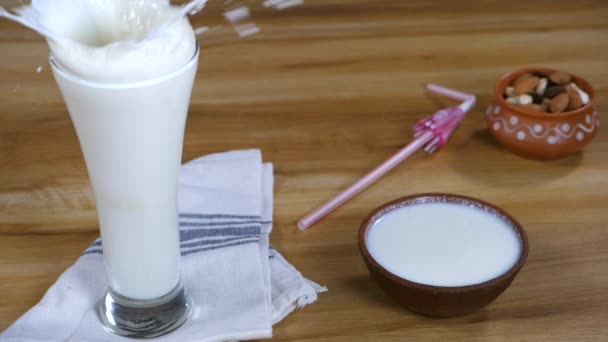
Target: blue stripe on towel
(216, 216)
(211, 231)
(214, 224)
(215, 241)
(189, 234)
(198, 250)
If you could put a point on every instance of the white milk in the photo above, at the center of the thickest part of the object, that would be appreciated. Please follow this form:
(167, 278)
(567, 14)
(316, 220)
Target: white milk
(129, 102)
(107, 40)
(444, 244)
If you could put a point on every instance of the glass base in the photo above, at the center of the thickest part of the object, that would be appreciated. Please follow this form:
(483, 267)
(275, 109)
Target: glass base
(144, 318)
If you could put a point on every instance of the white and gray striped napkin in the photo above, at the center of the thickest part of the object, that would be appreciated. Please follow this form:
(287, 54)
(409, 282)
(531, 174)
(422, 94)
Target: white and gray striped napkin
(238, 285)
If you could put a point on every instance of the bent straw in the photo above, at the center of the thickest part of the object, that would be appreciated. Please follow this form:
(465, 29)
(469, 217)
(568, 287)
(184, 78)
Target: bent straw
(432, 132)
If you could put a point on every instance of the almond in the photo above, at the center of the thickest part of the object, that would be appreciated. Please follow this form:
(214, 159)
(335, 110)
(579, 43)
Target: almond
(559, 103)
(544, 106)
(520, 78)
(533, 107)
(560, 77)
(552, 92)
(576, 101)
(525, 85)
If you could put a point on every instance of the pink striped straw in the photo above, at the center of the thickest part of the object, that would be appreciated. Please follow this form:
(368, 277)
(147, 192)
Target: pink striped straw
(432, 133)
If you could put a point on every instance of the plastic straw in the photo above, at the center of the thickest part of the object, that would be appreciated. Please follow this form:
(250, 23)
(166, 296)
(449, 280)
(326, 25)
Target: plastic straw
(433, 132)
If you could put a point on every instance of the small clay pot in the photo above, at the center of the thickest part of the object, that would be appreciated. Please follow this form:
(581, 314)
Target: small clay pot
(538, 135)
(440, 301)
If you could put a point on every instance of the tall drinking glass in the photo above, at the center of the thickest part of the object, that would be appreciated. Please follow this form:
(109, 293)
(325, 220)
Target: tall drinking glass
(131, 135)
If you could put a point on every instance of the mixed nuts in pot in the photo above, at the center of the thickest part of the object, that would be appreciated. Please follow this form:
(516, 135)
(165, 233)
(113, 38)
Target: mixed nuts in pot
(550, 93)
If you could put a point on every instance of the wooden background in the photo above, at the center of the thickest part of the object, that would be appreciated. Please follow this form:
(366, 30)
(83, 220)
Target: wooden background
(328, 90)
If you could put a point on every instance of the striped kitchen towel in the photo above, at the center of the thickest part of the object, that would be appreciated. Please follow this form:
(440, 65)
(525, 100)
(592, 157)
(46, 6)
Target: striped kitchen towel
(239, 286)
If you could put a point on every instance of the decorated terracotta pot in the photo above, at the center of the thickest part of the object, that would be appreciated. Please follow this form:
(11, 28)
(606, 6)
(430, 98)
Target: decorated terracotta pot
(539, 135)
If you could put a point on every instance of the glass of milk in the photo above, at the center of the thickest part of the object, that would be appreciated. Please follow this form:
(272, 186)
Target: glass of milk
(131, 135)
(128, 99)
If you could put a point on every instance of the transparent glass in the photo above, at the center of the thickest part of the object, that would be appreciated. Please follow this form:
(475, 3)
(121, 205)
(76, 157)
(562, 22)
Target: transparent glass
(131, 135)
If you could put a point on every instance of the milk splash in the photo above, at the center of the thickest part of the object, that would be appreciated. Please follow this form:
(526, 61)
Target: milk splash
(40, 15)
(114, 40)
(125, 40)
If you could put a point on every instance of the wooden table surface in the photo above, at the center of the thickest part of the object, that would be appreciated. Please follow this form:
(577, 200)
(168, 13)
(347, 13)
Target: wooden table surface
(328, 90)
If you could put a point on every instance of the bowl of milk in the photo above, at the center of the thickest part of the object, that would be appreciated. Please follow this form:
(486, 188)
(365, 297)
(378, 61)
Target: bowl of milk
(442, 255)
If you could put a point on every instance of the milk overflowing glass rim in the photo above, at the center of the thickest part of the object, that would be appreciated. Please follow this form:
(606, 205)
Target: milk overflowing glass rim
(122, 85)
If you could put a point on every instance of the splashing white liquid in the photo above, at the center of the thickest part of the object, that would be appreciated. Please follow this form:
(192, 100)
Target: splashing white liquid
(115, 40)
(126, 40)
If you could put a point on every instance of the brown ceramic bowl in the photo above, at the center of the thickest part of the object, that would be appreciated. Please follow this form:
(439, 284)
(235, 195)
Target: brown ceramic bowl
(440, 301)
(543, 136)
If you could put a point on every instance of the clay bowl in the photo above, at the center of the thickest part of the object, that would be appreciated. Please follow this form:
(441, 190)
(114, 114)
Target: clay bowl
(542, 136)
(440, 301)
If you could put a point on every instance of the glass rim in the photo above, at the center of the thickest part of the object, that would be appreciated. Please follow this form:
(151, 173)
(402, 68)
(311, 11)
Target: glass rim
(56, 66)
